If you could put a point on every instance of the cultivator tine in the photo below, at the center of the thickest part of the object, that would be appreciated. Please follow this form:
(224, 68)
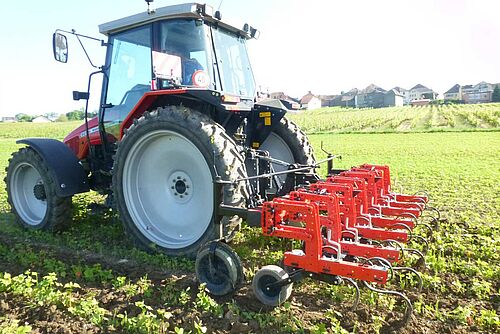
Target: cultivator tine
(413, 271)
(409, 307)
(421, 257)
(436, 211)
(429, 228)
(424, 242)
(351, 282)
(404, 227)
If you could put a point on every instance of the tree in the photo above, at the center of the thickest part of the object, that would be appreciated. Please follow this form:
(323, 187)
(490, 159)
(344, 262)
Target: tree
(76, 115)
(21, 117)
(62, 118)
(496, 94)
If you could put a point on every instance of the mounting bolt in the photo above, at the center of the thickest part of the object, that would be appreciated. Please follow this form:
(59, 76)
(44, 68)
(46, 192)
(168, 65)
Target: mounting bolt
(63, 185)
(172, 187)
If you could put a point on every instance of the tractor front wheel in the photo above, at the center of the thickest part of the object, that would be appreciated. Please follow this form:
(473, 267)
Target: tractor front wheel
(290, 144)
(163, 180)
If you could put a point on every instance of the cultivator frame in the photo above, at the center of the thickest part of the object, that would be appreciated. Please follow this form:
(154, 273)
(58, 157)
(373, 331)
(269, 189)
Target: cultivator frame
(352, 228)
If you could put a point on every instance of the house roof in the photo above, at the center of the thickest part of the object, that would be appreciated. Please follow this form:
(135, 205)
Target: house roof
(419, 86)
(454, 89)
(399, 89)
(396, 92)
(371, 89)
(307, 98)
(282, 96)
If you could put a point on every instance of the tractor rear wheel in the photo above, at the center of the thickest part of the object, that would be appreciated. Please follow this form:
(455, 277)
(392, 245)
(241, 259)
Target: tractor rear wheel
(290, 144)
(32, 195)
(163, 180)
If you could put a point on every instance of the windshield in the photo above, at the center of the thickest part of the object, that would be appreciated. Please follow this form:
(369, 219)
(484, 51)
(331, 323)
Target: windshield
(234, 65)
(181, 57)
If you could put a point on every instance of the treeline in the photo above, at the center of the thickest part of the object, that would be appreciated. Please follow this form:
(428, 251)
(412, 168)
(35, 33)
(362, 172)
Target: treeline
(75, 115)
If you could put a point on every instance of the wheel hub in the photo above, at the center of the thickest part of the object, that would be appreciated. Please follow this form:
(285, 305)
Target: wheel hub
(181, 186)
(39, 192)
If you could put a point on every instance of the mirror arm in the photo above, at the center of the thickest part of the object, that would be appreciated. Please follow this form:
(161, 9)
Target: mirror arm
(73, 32)
(85, 50)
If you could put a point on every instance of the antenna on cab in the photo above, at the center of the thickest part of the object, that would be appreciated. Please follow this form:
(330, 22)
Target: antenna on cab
(150, 11)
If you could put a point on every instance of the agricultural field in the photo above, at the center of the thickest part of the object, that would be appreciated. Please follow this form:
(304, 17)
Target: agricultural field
(88, 278)
(458, 117)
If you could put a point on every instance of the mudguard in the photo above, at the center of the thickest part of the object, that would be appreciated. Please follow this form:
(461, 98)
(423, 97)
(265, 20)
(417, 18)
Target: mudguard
(68, 173)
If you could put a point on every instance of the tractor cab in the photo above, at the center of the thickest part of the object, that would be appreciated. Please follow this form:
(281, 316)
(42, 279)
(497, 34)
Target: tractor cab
(175, 47)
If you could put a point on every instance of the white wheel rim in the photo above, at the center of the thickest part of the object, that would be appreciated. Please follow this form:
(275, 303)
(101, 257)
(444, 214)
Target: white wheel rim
(30, 209)
(168, 189)
(278, 149)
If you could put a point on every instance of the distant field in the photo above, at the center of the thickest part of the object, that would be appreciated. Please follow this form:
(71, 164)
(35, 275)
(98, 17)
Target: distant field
(465, 117)
(25, 130)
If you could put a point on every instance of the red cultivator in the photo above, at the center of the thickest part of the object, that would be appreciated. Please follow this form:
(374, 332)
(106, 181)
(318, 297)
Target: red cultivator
(352, 227)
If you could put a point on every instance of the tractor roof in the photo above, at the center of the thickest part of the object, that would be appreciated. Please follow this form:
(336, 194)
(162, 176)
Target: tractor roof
(187, 10)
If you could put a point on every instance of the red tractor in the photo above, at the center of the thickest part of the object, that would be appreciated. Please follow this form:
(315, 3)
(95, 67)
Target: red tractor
(184, 152)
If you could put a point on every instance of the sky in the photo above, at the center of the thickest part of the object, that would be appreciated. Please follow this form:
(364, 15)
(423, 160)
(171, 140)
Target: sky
(321, 46)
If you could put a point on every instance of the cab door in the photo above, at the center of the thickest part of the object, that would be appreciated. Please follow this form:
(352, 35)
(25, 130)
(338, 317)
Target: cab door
(128, 67)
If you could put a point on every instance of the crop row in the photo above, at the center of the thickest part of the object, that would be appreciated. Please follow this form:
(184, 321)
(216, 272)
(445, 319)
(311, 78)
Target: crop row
(400, 119)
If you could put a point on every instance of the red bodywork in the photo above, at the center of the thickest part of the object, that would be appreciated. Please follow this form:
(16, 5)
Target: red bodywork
(77, 139)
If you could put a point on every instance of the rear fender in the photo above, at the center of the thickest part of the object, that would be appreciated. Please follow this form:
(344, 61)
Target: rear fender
(64, 166)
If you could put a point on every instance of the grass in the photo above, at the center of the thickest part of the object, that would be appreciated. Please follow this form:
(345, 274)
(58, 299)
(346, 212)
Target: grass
(89, 275)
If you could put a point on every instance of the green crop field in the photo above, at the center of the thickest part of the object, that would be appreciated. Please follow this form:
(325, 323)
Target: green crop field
(89, 278)
(401, 119)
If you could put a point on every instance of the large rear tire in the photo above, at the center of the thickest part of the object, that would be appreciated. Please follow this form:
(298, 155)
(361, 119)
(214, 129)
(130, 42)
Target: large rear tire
(31, 193)
(163, 180)
(288, 143)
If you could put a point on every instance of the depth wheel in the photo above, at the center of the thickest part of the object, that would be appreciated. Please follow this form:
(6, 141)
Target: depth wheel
(163, 180)
(273, 296)
(219, 267)
(31, 193)
(288, 143)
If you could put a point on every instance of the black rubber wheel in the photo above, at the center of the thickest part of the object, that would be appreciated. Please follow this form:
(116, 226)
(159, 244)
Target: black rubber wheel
(219, 267)
(288, 143)
(31, 193)
(271, 296)
(163, 180)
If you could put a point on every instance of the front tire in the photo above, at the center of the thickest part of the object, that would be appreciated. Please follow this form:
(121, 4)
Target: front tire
(163, 180)
(31, 193)
(290, 144)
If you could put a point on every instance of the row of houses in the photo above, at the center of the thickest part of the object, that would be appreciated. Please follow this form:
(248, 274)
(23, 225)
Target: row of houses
(479, 93)
(374, 96)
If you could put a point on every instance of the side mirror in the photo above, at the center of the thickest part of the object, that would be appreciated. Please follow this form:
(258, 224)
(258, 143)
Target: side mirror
(60, 47)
